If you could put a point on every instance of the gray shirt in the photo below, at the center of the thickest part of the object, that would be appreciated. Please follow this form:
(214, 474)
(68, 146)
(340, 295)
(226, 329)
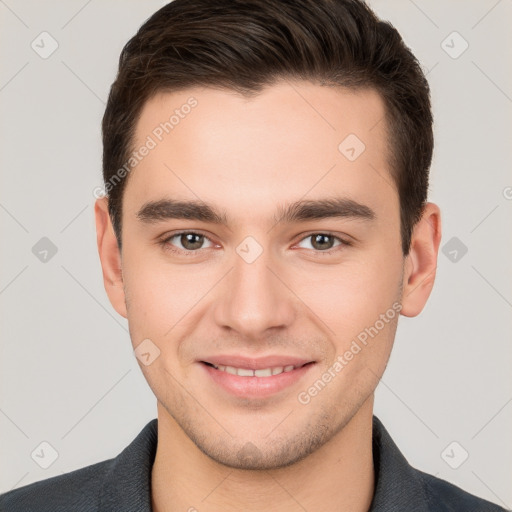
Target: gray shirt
(123, 484)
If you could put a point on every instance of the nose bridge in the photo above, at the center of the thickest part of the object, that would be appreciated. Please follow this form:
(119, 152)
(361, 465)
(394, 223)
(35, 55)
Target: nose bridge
(253, 298)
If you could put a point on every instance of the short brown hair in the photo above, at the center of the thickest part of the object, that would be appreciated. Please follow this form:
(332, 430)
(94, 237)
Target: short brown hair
(245, 45)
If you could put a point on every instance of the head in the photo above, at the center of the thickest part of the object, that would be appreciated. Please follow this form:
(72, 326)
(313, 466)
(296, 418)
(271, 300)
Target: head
(279, 208)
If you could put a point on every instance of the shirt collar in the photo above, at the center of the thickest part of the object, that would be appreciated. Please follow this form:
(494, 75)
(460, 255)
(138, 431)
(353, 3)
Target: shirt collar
(127, 483)
(397, 483)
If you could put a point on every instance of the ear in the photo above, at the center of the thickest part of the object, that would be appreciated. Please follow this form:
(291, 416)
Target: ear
(110, 257)
(421, 262)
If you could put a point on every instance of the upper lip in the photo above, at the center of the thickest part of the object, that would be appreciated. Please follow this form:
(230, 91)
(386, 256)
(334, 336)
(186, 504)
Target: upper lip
(272, 361)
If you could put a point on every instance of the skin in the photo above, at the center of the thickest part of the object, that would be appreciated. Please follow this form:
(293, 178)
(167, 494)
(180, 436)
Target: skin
(246, 156)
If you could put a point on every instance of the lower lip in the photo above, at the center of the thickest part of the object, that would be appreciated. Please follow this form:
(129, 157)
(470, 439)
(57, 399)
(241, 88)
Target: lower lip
(256, 387)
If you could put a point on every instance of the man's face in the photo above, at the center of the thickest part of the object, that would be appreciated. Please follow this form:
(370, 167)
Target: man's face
(297, 291)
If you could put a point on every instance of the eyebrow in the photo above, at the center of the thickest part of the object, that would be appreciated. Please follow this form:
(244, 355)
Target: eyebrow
(303, 210)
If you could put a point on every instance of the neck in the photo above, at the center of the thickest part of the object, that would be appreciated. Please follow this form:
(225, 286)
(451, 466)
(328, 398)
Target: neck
(338, 476)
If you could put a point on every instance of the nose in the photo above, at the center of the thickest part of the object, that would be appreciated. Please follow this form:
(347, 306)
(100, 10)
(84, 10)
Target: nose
(254, 298)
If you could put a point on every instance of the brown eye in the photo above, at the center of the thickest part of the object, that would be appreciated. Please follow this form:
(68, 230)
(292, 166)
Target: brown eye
(186, 241)
(191, 241)
(323, 242)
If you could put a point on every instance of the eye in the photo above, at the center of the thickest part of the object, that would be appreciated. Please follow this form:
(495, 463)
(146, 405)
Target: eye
(323, 242)
(190, 242)
(186, 241)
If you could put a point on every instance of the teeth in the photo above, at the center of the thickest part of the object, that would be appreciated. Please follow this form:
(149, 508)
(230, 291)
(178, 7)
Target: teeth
(231, 370)
(242, 372)
(245, 372)
(266, 372)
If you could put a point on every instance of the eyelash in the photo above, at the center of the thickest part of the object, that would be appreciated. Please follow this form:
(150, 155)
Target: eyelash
(165, 243)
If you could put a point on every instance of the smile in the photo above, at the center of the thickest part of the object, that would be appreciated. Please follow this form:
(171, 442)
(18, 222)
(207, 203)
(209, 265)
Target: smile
(254, 378)
(247, 372)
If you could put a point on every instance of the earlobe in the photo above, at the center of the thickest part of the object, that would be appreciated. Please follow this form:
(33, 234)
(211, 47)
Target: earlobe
(421, 262)
(110, 257)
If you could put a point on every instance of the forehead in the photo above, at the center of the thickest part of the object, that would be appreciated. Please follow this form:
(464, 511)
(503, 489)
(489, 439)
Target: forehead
(291, 140)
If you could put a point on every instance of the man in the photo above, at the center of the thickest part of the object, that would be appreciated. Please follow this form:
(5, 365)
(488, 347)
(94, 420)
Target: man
(265, 224)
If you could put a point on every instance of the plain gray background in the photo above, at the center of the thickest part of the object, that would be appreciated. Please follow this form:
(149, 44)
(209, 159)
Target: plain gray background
(68, 374)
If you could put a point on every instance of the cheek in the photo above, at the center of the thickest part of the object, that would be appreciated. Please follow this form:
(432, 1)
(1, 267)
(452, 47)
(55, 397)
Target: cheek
(159, 295)
(352, 292)
(348, 301)
(149, 296)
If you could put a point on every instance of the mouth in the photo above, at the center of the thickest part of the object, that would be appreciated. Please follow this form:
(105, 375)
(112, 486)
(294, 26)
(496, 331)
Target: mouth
(261, 372)
(255, 378)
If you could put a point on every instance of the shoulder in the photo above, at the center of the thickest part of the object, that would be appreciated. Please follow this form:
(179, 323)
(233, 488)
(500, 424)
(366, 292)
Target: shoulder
(79, 489)
(120, 483)
(443, 496)
(400, 486)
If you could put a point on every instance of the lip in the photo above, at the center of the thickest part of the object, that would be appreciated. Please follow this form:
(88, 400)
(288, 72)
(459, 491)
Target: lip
(255, 387)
